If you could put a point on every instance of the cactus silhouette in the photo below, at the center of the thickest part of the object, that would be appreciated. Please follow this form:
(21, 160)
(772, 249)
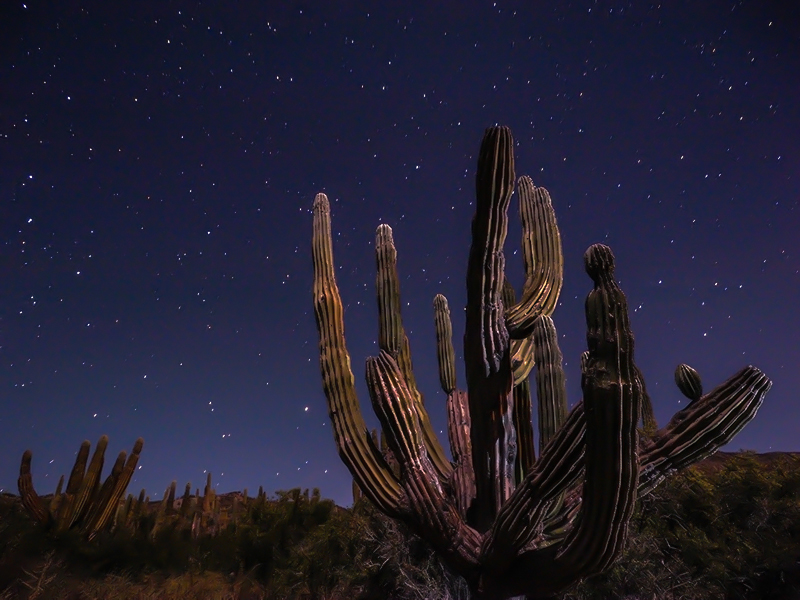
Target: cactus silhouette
(85, 504)
(507, 521)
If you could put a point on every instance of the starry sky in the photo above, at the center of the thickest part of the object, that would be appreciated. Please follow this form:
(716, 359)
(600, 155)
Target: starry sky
(158, 165)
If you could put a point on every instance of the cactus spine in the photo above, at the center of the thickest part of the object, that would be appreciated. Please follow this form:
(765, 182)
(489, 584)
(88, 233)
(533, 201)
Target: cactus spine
(507, 522)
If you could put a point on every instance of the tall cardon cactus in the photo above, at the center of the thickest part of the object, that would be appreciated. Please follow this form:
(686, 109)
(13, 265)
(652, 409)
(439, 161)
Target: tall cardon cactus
(509, 522)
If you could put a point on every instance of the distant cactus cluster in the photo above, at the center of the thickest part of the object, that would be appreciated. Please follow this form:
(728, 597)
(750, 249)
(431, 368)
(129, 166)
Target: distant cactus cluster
(509, 522)
(90, 508)
(85, 505)
(202, 515)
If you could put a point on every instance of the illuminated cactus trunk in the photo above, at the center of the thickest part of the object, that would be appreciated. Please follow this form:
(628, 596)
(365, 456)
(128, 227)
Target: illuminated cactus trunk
(508, 522)
(85, 504)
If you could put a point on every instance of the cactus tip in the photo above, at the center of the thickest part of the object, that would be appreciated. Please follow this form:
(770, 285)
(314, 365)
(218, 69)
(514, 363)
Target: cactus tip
(599, 261)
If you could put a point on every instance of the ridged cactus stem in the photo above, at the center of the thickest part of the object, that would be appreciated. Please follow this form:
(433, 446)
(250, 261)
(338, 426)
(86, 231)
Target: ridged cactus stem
(612, 404)
(106, 490)
(551, 384)
(458, 428)
(486, 340)
(30, 499)
(186, 500)
(361, 457)
(519, 521)
(445, 353)
(526, 454)
(208, 495)
(429, 509)
(705, 425)
(99, 518)
(171, 497)
(90, 482)
(84, 505)
(523, 424)
(67, 510)
(387, 286)
(392, 339)
(542, 257)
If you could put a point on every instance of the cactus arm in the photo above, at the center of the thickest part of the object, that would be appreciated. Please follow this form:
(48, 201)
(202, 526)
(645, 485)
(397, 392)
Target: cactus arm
(457, 406)
(705, 425)
(106, 490)
(526, 453)
(608, 418)
(458, 428)
(30, 499)
(392, 338)
(361, 457)
(550, 381)
(649, 425)
(523, 424)
(522, 362)
(90, 482)
(612, 405)
(106, 505)
(486, 341)
(171, 497)
(445, 353)
(426, 507)
(66, 513)
(387, 287)
(543, 259)
(186, 500)
(519, 521)
(55, 501)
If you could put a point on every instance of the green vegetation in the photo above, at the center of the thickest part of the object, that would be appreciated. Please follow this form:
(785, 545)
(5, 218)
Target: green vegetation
(722, 530)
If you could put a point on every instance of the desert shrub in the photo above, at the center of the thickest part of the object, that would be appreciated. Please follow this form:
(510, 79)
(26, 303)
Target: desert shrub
(731, 533)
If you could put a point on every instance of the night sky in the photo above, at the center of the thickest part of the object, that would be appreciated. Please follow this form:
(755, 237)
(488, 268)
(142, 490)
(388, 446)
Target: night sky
(158, 164)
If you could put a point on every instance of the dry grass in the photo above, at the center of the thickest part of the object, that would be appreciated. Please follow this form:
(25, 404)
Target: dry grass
(52, 582)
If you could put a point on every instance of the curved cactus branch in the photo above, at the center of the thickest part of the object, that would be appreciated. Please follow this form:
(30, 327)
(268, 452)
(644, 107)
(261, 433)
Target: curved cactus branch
(458, 420)
(30, 499)
(704, 426)
(522, 362)
(90, 482)
(353, 442)
(523, 425)
(428, 510)
(544, 261)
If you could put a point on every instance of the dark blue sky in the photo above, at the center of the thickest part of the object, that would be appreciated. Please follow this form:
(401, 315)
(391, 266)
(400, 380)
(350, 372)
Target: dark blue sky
(158, 163)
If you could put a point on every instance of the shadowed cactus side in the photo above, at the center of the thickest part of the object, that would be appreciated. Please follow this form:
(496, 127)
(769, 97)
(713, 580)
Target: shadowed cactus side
(508, 522)
(85, 505)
